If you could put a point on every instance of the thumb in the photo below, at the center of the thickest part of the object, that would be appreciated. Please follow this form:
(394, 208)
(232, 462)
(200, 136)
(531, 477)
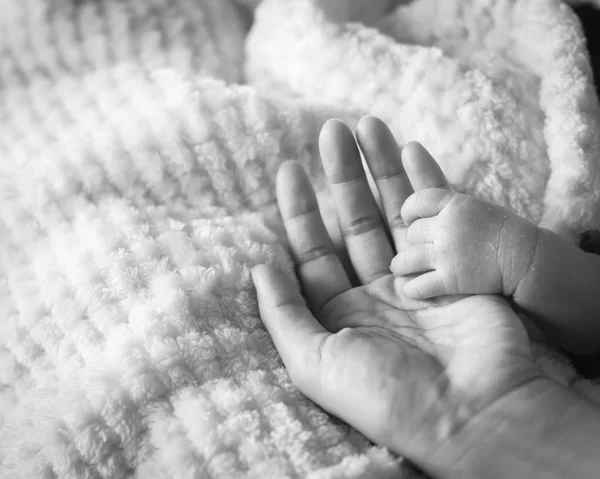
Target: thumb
(297, 335)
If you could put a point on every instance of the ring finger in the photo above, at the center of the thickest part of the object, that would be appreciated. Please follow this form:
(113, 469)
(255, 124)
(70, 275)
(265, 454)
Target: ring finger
(319, 268)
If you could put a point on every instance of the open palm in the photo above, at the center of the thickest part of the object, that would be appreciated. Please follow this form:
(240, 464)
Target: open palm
(408, 374)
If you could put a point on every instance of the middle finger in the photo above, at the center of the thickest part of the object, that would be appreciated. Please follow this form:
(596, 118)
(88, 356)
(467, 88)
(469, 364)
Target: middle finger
(360, 221)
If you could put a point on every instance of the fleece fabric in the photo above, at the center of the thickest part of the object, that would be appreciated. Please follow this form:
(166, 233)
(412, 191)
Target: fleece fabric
(139, 143)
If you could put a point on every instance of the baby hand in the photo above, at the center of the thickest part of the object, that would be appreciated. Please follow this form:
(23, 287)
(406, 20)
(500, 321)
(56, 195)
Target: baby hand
(457, 244)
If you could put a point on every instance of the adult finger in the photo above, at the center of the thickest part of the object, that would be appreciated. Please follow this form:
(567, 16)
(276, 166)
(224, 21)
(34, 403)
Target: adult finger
(359, 218)
(383, 156)
(321, 273)
(421, 168)
(297, 335)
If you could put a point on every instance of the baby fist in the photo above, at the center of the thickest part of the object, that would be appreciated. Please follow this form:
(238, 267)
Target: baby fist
(457, 244)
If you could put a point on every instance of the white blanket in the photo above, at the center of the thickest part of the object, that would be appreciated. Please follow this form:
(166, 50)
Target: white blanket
(137, 189)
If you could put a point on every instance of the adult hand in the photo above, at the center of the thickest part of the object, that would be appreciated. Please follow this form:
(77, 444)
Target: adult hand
(409, 375)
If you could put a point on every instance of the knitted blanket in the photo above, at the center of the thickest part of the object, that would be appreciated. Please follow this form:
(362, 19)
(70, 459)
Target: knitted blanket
(139, 143)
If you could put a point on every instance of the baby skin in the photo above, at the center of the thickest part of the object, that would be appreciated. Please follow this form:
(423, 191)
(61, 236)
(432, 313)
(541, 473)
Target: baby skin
(457, 244)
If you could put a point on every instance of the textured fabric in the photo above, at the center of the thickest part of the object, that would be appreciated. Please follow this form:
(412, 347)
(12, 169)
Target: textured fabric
(500, 91)
(137, 190)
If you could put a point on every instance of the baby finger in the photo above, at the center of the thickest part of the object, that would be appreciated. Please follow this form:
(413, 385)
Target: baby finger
(425, 286)
(425, 204)
(421, 231)
(414, 259)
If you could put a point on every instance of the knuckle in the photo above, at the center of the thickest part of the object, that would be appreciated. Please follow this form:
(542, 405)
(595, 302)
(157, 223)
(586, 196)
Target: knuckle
(448, 279)
(419, 203)
(404, 260)
(312, 254)
(429, 196)
(457, 204)
(409, 204)
(397, 266)
(422, 198)
(441, 184)
(396, 221)
(418, 292)
(413, 232)
(442, 282)
(360, 225)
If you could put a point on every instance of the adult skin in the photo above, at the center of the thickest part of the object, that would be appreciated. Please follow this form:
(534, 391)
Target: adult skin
(449, 383)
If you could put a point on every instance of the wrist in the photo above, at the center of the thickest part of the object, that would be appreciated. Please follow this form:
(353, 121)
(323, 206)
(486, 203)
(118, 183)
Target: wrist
(540, 429)
(529, 280)
(518, 252)
(560, 293)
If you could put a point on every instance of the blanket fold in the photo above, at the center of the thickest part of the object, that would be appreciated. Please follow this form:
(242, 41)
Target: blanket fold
(501, 92)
